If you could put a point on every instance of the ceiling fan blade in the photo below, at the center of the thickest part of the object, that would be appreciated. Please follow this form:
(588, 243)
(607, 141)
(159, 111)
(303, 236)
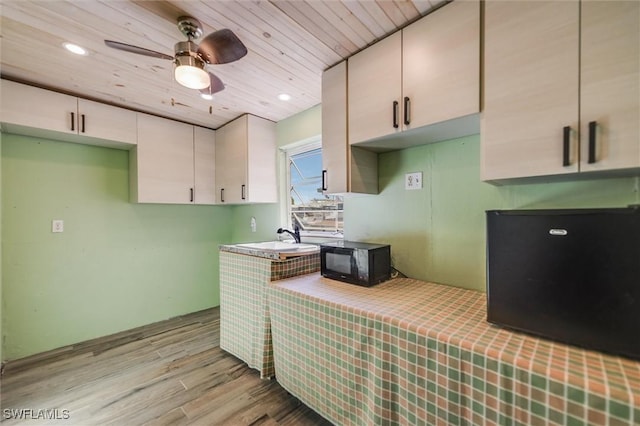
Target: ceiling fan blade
(136, 49)
(215, 86)
(221, 47)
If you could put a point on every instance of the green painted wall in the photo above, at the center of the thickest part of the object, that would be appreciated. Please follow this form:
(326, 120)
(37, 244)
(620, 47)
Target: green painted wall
(438, 233)
(299, 127)
(116, 266)
(120, 265)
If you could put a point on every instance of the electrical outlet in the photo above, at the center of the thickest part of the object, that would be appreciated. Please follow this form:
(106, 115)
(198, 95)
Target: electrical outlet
(413, 180)
(57, 225)
(253, 224)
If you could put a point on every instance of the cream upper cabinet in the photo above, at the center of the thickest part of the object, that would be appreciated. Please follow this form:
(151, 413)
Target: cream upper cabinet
(345, 168)
(441, 65)
(375, 90)
(107, 122)
(551, 68)
(246, 161)
(204, 150)
(44, 113)
(530, 88)
(231, 161)
(610, 85)
(425, 74)
(30, 106)
(162, 164)
(334, 130)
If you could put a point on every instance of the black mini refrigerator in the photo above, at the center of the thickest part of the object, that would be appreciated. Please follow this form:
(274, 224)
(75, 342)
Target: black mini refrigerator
(568, 275)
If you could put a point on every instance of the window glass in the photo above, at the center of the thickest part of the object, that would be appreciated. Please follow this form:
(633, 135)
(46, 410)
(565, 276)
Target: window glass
(310, 209)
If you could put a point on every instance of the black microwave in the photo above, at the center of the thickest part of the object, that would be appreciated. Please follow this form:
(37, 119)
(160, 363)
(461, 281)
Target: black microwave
(363, 264)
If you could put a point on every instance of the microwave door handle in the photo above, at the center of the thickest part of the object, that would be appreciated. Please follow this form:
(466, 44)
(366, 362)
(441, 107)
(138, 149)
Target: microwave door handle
(339, 250)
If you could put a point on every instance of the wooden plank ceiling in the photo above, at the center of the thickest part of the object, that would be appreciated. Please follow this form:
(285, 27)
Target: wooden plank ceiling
(290, 43)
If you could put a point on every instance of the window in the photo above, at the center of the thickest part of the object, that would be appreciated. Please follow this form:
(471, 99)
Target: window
(308, 208)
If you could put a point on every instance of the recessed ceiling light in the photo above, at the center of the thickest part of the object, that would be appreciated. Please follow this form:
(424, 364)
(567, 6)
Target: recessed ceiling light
(74, 48)
(284, 97)
(206, 96)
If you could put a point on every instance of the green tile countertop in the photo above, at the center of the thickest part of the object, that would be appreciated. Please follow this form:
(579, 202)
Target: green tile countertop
(245, 324)
(412, 352)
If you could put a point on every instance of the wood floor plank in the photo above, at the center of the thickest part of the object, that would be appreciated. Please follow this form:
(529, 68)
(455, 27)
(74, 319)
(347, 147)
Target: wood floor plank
(168, 373)
(175, 417)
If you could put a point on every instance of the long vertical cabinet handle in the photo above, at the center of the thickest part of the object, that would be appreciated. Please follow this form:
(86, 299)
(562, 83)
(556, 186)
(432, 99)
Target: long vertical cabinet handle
(592, 142)
(82, 121)
(407, 114)
(191, 197)
(566, 143)
(324, 181)
(222, 195)
(73, 122)
(242, 192)
(395, 115)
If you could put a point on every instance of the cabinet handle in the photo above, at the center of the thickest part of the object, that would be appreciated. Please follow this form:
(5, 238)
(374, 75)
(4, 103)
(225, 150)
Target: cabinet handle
(73, 122)
(592, 142)
(82, 120)
(566, 139)
(243, 191)
(407, 103)
(191, 198)
(395, 114)
(222, 195)
(324, 180)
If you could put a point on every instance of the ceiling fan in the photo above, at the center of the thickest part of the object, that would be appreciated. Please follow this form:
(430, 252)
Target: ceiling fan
(219, 47)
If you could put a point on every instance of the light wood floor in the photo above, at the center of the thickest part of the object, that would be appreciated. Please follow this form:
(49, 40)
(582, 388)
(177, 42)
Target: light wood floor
(172, 372)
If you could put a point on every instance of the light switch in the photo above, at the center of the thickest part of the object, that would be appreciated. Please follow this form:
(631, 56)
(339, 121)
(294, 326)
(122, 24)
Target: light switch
(57, 225)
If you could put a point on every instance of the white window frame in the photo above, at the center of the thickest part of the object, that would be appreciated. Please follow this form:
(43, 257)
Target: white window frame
(287, 151)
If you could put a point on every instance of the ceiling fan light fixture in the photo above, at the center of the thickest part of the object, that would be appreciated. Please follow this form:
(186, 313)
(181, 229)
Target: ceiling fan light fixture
(190, 72)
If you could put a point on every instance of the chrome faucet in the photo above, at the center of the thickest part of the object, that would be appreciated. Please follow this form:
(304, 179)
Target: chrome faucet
(295, 234)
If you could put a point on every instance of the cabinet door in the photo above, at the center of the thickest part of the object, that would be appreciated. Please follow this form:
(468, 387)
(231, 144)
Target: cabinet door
(261, 180)
(204, 165)
(610, 84)
(164, 160)
(30, 106)
(375, 86)
(531, 88)
(334, 129)
(221, 181)
(231, 161)
(441, 65)
(106, 122)
(346, 168)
